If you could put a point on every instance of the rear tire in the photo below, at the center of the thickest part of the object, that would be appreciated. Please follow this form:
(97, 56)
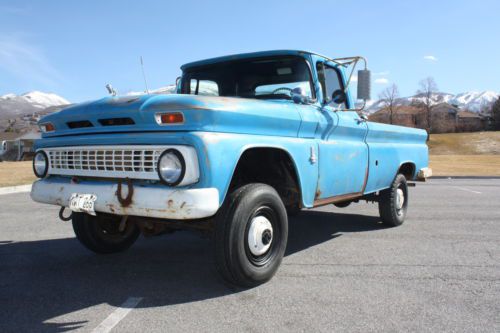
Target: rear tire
(393, 202)
(251, 232)
(101, 233)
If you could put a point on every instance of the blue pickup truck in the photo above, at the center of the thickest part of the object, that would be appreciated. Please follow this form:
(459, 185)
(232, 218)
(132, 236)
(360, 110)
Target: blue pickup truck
(246, 141)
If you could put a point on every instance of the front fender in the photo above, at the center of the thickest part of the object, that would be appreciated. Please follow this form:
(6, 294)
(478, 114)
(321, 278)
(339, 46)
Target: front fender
(221, 152)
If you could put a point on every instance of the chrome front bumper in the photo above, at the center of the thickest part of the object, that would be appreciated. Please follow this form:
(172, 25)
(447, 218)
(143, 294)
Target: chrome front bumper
(148, 201)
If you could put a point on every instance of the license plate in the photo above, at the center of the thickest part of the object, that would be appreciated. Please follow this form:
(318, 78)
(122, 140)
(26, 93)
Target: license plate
(82, 203)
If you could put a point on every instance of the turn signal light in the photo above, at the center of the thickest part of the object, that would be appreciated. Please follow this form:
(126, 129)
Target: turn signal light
(170, 118)
(47, 127)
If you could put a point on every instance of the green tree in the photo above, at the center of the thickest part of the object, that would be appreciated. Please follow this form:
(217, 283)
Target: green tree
(495, 113)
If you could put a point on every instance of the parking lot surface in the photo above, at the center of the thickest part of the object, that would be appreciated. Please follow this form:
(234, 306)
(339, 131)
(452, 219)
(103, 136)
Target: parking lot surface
(343, 271)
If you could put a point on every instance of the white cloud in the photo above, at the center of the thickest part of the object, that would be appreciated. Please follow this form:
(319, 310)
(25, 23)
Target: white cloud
(26, 62)
(381, 80)
(430, 58)
(354, 78)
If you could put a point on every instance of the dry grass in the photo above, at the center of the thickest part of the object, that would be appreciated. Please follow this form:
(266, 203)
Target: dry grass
(16, 173)
(465, 154)
(476, 143)
(465, 165)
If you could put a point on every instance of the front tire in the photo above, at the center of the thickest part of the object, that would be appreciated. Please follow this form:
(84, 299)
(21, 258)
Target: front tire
(101, 234)
(393, 202)
(251, 233)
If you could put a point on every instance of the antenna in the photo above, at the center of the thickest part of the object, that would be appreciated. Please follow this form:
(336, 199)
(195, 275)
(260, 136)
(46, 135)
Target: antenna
(144, 76)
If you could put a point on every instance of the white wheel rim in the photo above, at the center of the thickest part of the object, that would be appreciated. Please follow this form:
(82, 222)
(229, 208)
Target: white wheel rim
(400, 199)
(260, 235)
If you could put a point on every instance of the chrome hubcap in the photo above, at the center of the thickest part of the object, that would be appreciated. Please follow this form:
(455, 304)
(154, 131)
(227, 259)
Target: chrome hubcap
(400, 199)
(260, 235)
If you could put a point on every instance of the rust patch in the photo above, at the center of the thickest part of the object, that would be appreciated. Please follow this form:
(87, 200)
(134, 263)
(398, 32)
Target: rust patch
(125, 202)
(111, 207)
(318, 194)
(338, 198)
(170, 203)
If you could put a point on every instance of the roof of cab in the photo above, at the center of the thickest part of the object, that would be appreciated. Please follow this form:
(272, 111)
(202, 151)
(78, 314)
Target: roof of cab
(246, 55)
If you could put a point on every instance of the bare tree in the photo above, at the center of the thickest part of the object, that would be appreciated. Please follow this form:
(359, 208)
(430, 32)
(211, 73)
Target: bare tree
(427, 90)
(390, 99)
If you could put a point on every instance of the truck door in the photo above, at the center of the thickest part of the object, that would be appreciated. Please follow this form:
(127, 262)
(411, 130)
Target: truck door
(343, 152)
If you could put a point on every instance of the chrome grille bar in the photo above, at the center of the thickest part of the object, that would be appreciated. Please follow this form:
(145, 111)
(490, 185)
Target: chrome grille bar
(135, 162)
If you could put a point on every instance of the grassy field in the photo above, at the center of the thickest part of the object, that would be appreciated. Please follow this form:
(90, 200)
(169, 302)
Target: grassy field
(476, 143)
(16, 173)
(453, 154)
(465, 154)
(465, 165)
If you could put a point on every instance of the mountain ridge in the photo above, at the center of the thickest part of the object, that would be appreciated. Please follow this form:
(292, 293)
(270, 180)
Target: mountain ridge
(474, 101)
(13, 106)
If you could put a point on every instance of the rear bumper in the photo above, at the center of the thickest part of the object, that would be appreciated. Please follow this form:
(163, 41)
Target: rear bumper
(424, 173)
(147, 201)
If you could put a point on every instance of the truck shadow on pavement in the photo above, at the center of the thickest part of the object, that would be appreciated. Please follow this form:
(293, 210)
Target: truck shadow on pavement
(49, 285)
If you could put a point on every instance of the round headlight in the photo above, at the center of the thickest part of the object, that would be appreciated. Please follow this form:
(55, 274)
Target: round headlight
(171, 167)
(40, 164)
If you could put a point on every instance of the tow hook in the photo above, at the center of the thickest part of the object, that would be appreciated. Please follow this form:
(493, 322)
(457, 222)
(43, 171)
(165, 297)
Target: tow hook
(128, 200)
(61, 215)
(123, 223)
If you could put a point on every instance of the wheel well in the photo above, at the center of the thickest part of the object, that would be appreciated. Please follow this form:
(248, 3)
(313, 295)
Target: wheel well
(271, 166)
(407, 169)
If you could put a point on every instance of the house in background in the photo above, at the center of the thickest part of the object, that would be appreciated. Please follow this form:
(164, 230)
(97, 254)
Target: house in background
(470, 122)
(17, 146)
(403, 115)
(445, 118)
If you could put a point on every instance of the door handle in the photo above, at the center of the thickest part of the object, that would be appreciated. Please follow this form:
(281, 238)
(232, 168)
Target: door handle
(361, 119)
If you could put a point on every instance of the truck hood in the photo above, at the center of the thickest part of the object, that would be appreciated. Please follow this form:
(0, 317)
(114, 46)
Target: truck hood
(201, 113)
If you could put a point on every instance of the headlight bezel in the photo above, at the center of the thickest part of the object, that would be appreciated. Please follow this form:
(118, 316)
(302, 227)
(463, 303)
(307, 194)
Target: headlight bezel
(182, 162)
(46, 168)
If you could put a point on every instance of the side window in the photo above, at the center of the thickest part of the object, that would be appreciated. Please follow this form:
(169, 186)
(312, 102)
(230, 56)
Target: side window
(203, 87)
(330, 80)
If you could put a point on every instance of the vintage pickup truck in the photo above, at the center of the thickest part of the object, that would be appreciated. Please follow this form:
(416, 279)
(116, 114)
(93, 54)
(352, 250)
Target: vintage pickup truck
(245, 142)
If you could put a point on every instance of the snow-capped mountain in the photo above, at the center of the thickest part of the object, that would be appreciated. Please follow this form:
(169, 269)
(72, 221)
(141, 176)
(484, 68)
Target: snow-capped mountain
(475, 100)
(12, 105)
(471, 101)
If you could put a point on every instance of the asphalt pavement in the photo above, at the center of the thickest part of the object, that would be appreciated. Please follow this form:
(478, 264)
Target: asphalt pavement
(343, 271)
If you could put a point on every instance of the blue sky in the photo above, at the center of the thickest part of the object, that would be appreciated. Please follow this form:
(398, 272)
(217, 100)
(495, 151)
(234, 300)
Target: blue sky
(73, 48)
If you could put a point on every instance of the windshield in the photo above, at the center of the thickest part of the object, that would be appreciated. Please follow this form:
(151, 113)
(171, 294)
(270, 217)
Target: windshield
(269, 78)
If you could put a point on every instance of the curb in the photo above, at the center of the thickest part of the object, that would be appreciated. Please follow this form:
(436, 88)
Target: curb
(465, 177)
(15, 189)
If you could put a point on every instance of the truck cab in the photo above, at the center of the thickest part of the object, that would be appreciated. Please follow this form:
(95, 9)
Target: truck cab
(246, 141)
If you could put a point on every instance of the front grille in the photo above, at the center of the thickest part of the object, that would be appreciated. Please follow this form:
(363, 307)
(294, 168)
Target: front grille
(136, 162)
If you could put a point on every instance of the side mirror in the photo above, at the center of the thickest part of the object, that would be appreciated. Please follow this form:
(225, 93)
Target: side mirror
(299, 96)
(364, 84)
(339, 97)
